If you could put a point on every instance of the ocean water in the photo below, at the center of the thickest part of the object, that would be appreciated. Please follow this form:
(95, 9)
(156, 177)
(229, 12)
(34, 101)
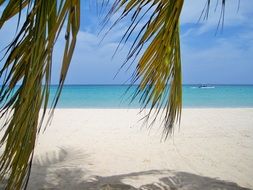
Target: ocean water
(115, 96)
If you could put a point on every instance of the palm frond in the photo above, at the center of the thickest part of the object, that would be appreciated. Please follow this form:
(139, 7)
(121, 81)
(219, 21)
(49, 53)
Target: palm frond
(160, 63)
(206, 11)
(27, 70)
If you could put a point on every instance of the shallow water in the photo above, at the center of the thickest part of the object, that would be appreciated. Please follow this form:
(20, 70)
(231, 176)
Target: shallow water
(115, 96)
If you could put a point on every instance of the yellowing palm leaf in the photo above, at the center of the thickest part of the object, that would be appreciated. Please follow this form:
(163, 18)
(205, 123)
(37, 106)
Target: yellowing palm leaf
(160, 64)
(29, 58)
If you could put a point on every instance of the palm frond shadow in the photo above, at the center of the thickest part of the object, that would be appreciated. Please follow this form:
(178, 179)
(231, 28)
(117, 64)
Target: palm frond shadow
(49, 172)
(50, 166)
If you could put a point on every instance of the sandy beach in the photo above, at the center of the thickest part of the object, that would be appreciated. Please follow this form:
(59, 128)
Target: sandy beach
(110, 149)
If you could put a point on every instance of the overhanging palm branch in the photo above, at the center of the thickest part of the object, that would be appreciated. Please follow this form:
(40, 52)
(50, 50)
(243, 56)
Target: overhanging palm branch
(159, 67)
(29, 60)
(160, 64)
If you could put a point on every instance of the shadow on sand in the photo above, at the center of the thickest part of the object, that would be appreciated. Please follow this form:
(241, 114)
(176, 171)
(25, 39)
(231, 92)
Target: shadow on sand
(50, 172)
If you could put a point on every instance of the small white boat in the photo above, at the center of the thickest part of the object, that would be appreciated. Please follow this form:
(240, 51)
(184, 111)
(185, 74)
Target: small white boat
(205, 86)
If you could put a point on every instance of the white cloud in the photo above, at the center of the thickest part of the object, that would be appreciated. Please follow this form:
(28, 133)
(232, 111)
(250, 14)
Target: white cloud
(227, 60)
(92, 61)
(233, 17)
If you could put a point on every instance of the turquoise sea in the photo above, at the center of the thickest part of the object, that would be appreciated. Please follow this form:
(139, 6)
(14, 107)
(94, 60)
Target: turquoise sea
(115, 96)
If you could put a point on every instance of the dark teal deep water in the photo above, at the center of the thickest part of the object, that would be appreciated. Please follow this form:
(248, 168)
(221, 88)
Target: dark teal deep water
(114, 96)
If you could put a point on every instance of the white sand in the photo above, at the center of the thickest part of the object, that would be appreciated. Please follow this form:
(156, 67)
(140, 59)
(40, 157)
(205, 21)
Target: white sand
(102, 148)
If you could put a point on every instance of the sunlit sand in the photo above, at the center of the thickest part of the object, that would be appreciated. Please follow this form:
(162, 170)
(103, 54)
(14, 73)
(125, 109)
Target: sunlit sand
(110, 149)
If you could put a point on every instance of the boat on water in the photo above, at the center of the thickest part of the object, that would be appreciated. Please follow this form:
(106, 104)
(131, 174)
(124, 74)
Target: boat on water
(205, 86)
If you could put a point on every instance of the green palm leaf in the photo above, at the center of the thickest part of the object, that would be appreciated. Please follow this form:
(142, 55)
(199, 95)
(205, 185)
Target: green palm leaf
(29, 58)
(160, 64)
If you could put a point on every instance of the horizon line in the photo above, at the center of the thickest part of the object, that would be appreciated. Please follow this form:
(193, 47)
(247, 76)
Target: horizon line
(99, 84)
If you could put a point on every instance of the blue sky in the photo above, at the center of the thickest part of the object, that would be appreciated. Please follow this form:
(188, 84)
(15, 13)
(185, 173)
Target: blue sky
(225, 58)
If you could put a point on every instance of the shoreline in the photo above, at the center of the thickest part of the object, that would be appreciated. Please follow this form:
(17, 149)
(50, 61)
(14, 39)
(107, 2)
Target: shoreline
(185, 108)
